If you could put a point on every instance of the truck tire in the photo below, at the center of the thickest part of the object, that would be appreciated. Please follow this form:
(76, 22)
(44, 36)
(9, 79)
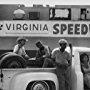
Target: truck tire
(4, 55)
(40, 85)
(12, 60)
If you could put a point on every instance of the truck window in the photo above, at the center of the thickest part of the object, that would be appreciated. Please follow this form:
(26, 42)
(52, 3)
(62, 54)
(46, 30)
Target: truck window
(85, 68)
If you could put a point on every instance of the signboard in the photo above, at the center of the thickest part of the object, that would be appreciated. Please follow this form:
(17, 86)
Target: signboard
(60, 14)
(45, 28)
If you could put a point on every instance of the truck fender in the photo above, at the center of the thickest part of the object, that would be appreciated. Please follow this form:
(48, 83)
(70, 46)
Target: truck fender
(4, 55)
(29, 80)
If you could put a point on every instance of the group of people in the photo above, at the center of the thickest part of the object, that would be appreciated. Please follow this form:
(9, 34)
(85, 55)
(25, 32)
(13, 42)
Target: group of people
(60, 58)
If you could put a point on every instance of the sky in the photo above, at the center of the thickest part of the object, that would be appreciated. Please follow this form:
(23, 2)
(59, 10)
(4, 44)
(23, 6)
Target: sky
(46, 2)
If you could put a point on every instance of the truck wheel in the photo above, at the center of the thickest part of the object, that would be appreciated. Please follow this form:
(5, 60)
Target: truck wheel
(12, 61)
(40, 85)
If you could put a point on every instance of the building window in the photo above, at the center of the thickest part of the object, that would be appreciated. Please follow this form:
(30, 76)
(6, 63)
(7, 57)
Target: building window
(34, 15)
(83, 14)
(88, 14)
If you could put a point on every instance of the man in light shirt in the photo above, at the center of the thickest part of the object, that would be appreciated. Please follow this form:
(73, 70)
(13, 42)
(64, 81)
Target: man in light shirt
(62, 61)
(19, 47)
(61, 56)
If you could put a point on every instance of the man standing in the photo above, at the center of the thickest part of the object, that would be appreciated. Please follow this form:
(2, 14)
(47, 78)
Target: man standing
(19, 47)
(63, 61)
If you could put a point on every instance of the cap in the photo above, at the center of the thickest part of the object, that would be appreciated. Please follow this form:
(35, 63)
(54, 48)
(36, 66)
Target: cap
(21, 38)
(63, 41)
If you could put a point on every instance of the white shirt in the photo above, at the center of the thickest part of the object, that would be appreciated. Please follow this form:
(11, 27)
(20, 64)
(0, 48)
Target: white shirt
(21, 51)
(61, 57)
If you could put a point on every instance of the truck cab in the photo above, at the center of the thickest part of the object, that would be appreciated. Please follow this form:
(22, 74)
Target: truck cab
(76, 72)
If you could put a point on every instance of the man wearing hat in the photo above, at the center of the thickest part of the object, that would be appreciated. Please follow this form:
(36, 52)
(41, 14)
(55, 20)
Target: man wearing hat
(19, 47)
(62, 61)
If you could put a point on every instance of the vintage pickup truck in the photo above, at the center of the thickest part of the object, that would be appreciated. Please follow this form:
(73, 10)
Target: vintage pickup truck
(17, 74)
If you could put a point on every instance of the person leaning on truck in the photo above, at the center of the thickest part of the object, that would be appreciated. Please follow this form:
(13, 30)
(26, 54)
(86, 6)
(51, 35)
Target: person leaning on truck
(19, 47)
(62, 61)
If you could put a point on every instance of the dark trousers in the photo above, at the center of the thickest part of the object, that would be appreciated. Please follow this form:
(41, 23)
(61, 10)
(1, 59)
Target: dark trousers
(63, 75)
(48, 63)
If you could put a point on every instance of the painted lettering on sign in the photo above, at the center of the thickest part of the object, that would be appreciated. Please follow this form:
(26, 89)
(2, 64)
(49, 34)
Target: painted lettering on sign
(25, 27)
(45, 28)
(72, 29)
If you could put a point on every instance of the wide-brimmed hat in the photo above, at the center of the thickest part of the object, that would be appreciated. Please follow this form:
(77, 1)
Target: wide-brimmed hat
(21, 38)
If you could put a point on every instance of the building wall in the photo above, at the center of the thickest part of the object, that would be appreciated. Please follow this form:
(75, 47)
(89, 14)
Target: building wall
(75, 13)
(7, 43)
(6, 11)
(44, 12)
